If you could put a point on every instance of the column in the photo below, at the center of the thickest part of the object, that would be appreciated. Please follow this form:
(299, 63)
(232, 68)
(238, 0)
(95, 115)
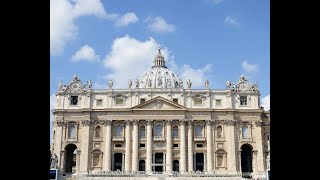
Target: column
(135, 151)
(62, 159)
(239, 156)
(169, 147)
(58, 142)
(209, 146)
(128, 148)
(84, 158)
(108, 146)
(259, 140)
(183, 147)
(149, 147)
(232, 148)
(190, 145)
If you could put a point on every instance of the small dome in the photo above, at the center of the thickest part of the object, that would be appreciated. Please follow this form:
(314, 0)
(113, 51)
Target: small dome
(159, 76)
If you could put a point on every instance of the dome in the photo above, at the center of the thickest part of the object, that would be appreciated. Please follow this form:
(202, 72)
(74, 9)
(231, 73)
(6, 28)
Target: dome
(159, 76)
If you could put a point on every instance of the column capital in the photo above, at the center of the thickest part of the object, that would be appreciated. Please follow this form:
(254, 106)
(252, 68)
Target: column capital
(86, 122)
(135, 121)
(60, 123)
(209, 122)
(107, 122)
(168, 121)
(230, 122)
(258, 123)
(128, 122)
(182, 121)
(149, 121)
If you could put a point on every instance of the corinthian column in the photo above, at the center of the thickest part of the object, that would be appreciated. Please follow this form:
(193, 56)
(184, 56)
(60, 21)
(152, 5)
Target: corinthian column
(149, 146)
(128, 152)
(135, 146)
(190, 146)
(183, 147)
(84, 157)
(169, 147)
(209, 146)
(108, 145)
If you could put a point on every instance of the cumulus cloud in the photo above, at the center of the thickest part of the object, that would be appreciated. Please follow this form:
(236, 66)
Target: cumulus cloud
(53, 101)
(130, 58)
(63, 14)
(266, 102)
(249, 67)
(231, 21)
(126, 19)
(159, 25)
(85, 53)
(197, 76)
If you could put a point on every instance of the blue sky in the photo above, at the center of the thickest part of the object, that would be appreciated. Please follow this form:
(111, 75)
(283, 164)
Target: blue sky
(216, 40)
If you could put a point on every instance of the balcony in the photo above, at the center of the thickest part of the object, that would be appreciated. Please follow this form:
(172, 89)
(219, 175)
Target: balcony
(118, 138)
(199, 138)
(176, 138)
(142, 138)
(158, 138)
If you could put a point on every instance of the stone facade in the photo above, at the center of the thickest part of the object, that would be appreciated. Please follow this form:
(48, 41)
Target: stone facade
(157, 125)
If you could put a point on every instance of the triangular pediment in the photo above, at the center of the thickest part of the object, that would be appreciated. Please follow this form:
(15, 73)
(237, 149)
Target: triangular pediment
(159, 103)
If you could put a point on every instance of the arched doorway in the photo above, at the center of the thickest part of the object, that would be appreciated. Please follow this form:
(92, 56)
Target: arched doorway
(246, 159)
(158, 162)
(175, 167)
(70, 157)
(142, 165)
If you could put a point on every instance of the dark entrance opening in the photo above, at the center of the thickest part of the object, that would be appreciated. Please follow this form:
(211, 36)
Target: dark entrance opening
(199, 162)
(118, 161)
(175, 166)
(70, 157)
(158, 160)
(142, 165)
(246, 160)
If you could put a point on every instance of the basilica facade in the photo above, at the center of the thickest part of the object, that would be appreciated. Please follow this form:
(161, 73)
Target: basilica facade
(158, 124)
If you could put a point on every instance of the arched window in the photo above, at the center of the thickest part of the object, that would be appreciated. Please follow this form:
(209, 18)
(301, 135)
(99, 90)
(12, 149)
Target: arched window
(71, 131)
(175, 131)
(98, 129)
(119, 131)
(142, 132)
(220, 160)
(245, 131)
(159, 130)
(219, 131)
(198, 131)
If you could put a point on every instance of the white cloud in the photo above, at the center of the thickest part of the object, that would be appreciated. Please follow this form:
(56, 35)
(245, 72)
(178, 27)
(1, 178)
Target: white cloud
(129, 58)
(196, 76)
(216, 2)
(85, 53)
(126, 19)
(249, 67)
(53, 101)
(159, 25)
(63, 13)
(266, 102)
(231, 21)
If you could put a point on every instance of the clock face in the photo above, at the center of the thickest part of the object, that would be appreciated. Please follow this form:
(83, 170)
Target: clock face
(75, 87)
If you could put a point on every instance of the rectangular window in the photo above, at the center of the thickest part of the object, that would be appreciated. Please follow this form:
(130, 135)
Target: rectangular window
(175, 101)
(74, 100)
(199, 145)
(118, 145)
(142, 145)
(243, 100)
(142, 100)
(218, 102)
(99, 102)
(198, 101)
(175, 145)
(119, 101)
